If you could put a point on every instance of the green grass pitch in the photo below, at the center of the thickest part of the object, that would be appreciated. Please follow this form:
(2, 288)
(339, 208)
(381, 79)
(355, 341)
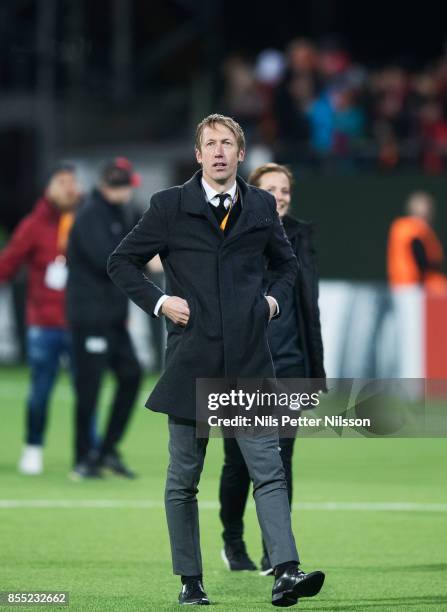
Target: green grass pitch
(117, 558)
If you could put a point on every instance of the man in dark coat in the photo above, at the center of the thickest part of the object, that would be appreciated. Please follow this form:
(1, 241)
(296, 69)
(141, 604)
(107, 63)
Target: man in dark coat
(297, 351)
(212, 235)
(97, 314)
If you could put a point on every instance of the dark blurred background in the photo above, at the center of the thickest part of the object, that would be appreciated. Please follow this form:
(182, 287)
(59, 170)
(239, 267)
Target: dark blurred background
(352, 95)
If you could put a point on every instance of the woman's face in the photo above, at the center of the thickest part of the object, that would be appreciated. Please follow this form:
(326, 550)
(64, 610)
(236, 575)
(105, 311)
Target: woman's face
(277, 183)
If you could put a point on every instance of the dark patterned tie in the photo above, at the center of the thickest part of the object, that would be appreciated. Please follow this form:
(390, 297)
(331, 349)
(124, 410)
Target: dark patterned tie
(222, 212)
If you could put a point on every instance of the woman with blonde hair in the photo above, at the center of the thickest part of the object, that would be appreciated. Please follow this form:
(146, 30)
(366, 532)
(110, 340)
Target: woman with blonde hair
(297, 352)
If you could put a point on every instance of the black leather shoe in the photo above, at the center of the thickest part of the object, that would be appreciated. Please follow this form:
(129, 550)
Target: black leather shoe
(294, 584)
(236, 558)
(112, 462)
(192, 594)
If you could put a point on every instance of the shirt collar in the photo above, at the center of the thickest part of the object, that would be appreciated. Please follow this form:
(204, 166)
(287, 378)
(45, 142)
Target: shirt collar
(211, 193)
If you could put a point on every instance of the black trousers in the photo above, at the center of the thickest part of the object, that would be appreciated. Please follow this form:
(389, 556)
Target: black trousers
(235, 480)
(95, 351)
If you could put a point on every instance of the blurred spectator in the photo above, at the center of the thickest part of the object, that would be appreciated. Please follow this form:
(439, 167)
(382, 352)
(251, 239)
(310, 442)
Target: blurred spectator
(295, 93)
(391, 116)
(302, 57)
(242, 99)
(320, 112)
(291, 101)
(415, 254)
(434, 137)
(97, 313)
(39, 242)
(269, 69)
(349, 122)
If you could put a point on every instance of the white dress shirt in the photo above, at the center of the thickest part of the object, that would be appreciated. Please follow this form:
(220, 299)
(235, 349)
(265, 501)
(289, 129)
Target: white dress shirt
(211, 196)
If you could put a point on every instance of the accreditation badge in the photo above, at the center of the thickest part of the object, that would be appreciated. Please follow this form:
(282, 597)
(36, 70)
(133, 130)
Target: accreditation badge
(56, 274)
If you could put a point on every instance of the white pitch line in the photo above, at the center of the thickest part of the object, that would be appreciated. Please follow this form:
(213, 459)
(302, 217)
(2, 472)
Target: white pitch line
(6, 504)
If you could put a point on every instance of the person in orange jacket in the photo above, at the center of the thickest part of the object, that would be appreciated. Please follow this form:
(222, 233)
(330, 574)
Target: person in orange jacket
(415, 254)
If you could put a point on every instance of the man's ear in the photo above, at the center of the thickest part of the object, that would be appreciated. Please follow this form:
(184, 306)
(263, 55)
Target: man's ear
(198, 156)
(241, 155)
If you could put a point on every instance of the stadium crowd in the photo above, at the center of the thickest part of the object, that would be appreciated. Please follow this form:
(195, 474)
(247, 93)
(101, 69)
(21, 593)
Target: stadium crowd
(317, 103)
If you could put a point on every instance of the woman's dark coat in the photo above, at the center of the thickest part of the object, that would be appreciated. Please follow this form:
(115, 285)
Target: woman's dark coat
(300, 234)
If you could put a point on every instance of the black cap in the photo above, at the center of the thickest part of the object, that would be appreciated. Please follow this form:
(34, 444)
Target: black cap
(119, 173)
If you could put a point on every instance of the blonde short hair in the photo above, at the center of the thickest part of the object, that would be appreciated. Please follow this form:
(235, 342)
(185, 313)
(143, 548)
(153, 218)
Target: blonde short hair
(228, 122)
(255, 176)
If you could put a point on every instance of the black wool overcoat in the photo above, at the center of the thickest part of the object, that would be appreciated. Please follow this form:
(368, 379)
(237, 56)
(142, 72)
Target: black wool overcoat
(221, 278)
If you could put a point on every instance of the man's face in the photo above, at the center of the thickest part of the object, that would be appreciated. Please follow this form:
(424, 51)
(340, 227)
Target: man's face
(63, 191)
(277, 183)
(219, 154)
(117, 195)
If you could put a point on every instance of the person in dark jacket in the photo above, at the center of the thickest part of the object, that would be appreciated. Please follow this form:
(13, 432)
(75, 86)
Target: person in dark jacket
(212, 234)
(297, 351)
(39, 243)
(97, 314)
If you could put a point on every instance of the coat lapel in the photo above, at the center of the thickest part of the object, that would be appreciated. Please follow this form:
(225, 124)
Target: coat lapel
(251, 215)
(194, 202)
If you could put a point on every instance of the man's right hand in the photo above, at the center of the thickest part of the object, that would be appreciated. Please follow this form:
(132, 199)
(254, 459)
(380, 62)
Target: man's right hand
(176, 309)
